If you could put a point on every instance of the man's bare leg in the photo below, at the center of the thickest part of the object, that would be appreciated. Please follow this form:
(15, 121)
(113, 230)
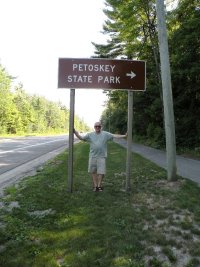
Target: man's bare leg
(100, 180)
(95, 180)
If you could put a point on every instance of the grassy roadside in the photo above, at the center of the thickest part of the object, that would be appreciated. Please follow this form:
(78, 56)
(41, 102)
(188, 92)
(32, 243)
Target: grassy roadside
(156, 224)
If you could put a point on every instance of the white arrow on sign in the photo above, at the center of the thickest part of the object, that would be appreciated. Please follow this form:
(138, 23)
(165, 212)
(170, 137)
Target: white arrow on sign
(132, 74)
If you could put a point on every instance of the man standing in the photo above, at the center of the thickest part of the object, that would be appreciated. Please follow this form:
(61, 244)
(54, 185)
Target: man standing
(98, 153)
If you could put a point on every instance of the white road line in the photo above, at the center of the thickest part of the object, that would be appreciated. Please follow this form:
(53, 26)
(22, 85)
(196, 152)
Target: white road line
(22, 148)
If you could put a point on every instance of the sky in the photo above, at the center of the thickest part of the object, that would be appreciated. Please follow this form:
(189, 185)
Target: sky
(35, 33)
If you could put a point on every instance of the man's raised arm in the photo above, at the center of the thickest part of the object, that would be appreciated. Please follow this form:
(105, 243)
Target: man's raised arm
(78, 135)
(120, 135)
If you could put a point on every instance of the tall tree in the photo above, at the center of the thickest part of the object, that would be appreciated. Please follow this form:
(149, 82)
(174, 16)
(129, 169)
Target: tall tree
(8, 111)
(185, 58)
(131, 26)
(25, 110)
(133, 34)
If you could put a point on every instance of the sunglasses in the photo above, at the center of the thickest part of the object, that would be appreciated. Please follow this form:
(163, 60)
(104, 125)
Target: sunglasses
(97, 126)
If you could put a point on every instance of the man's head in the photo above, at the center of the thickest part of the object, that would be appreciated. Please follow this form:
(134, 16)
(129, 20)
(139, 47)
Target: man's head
(97, 127)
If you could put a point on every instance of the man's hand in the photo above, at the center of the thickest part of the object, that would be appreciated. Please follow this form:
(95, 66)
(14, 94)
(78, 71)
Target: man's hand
(120, 135)
(77, 134)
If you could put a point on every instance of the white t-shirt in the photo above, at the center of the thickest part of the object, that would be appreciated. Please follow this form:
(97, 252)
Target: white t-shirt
(98, 143)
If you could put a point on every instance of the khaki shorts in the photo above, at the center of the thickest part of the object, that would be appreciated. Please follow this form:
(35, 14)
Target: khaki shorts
(97, 165)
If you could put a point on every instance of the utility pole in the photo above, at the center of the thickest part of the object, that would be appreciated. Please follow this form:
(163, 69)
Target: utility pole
(167, 91)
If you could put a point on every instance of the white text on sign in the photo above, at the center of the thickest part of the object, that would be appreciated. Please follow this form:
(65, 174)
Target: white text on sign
(93, 68)
(89, 79)
(109, 79)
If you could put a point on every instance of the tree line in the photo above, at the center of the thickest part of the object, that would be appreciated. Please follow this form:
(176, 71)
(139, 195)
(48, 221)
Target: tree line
(21, 113)
(132, 30)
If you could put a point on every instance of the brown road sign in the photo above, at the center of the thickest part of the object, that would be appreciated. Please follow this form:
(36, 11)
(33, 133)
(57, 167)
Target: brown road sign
(102, 73)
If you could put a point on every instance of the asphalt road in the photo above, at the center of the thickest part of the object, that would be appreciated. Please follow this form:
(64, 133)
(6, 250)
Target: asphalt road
(186, 167)
(19, 156)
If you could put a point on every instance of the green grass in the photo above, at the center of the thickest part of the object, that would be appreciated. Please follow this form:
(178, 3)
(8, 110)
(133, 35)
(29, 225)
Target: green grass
(156, 224)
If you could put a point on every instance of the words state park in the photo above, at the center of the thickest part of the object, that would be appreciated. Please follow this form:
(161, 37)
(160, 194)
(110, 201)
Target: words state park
(93, 69)
(90, 79)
